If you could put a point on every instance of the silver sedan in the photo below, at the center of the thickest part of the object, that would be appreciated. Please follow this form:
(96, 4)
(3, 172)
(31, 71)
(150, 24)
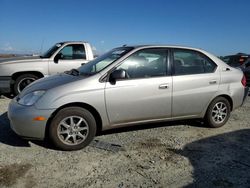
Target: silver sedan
(129, 85)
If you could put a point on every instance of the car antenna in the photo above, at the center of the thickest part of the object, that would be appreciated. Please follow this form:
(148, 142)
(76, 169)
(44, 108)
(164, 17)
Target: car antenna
(41, 49)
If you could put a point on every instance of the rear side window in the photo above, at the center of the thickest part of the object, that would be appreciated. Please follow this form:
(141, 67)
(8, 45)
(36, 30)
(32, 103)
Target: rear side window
(191, 62)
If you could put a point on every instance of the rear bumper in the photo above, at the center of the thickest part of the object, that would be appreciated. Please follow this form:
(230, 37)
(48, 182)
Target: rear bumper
(5, 84)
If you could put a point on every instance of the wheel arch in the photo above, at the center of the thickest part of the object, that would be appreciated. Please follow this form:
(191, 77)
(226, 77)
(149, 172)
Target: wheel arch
(230, 100)
(86, 106)
(208, 118)
(17, 74)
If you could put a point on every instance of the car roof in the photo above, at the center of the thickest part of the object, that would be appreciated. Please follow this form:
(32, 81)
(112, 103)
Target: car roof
(63, 42)
(211, 56)
(162, 46)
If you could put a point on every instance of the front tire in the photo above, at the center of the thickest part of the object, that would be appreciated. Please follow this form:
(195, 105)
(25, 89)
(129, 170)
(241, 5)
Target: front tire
(218, 112)
(72, 128)
(23, 81)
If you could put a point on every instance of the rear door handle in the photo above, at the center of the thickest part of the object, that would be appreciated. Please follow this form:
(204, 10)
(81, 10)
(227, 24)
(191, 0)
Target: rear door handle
(226, 69)
(163, 86)
(212, 82)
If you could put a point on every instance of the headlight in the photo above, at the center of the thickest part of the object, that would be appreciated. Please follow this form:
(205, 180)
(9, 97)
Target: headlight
(31, 98)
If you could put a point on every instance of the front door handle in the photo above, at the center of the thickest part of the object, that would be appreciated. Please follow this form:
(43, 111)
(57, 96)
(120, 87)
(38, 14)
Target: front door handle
(163, 86)
(212, 82)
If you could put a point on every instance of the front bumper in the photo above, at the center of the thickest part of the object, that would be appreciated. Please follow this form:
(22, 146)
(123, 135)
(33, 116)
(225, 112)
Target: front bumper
(22, 120)
(5, 84)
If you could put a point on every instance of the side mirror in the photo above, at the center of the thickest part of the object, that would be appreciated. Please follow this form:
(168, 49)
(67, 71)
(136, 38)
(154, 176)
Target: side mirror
(117, 75)
(57, 57)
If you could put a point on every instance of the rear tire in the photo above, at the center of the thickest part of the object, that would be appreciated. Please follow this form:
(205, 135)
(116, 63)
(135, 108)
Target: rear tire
(72, 128)
(218, 112)
(23, 81)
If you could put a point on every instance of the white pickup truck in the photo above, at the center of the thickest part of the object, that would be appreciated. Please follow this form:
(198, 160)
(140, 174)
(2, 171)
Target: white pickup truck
(17, 73)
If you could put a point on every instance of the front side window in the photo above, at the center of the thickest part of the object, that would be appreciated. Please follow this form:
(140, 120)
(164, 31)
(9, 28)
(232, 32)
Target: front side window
(145, 63)
(74, 51)
(191, 62)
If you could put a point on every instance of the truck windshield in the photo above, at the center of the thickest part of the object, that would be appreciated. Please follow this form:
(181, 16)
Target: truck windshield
(103, 61)
(51, 51)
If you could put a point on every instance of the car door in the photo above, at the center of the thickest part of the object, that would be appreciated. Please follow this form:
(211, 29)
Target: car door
(70, 56)
(145, 93)
(195, 81)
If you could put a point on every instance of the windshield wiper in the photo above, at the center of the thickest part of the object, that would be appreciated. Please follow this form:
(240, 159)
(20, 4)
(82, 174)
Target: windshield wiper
(73, 72)
(86, 74)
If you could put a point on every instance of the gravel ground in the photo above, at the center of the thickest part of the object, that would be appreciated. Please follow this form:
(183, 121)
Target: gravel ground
(179, 154)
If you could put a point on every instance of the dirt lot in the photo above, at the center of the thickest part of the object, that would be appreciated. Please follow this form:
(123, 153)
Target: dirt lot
(179, 154)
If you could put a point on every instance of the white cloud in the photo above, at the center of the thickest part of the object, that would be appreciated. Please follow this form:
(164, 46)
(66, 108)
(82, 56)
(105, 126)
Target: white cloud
(7, 47)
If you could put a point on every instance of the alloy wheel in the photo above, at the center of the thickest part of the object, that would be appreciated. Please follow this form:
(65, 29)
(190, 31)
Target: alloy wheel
(73, 130)
(219, 112)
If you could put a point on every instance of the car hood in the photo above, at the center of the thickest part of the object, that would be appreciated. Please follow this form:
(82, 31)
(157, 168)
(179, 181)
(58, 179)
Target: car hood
(24, 59)
(50, 82)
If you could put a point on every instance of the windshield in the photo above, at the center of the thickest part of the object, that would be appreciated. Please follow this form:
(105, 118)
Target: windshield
(235, 60)
(51, 51)
(103, 61)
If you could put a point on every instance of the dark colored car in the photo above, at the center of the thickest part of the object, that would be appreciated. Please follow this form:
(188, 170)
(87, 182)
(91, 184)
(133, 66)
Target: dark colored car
(246, 69)
(241, 61)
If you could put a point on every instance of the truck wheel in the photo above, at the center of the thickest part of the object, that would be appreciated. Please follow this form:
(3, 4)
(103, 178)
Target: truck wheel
(72, 128)
(218, 112)
(22, 81)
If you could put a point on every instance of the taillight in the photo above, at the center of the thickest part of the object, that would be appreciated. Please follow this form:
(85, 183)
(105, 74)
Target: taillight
(241, 60)
(244, 81)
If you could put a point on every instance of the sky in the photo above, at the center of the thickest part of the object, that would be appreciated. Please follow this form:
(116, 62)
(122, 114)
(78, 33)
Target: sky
(221, 27)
